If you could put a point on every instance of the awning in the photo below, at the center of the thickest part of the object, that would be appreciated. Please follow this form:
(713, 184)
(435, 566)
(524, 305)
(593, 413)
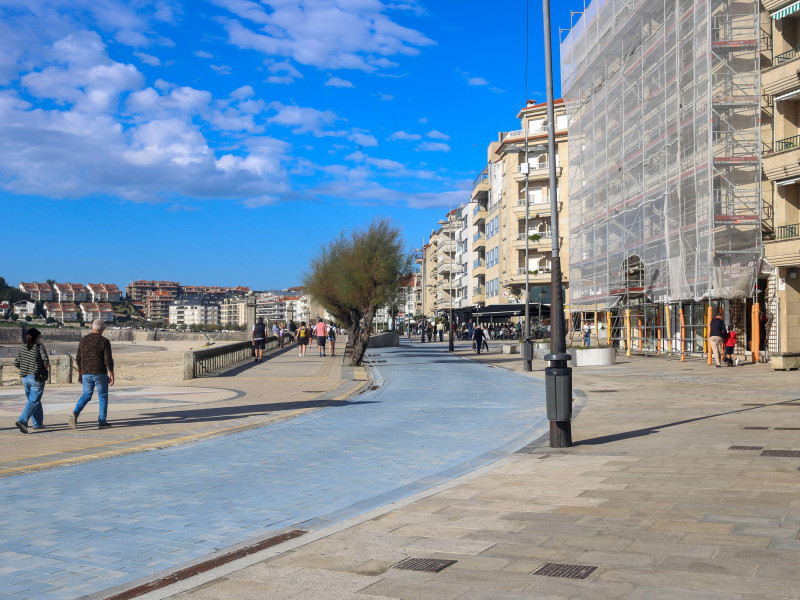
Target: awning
(787, 95)
(783, 182)
(510, 310)
(786, 10)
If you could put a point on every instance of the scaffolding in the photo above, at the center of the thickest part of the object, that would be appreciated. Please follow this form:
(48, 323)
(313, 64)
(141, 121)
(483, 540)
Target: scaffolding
(663, 100)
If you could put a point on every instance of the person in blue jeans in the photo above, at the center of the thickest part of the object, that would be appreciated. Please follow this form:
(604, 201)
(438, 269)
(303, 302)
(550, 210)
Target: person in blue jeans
(95, 371)
(33, 365)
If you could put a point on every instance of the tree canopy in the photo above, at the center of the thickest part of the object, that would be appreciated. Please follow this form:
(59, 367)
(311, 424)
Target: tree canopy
(355, 274)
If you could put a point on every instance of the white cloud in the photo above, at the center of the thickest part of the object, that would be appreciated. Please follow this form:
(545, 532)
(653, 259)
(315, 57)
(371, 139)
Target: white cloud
(477, 81)
(338, 82)
(362, 139)
(283, 72)
(355, 34)
(303, 119)
(438, 135)
(246, 91)
(423, 120)
(433, 147)
(221, 69)
(404, 135)
(203, 54)
(389, 167)
(384, 97)
(148, 59)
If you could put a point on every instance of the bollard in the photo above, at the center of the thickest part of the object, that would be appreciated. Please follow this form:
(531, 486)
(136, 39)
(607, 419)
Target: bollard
(558, 389)
(527, 354)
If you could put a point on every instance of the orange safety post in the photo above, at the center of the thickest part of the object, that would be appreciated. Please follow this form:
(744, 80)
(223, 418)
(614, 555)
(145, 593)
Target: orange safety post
(608, 328)
(639, 329)
(628, 343)
(707, 333)
(658, 331)
(596, 328)
(683, 335)
(755, 326)
(669, 330)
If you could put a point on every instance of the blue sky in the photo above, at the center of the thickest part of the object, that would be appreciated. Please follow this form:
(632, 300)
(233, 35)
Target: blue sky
(221, 142)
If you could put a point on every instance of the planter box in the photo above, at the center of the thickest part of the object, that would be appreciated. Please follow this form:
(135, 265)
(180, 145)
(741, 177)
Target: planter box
(510, 348)
(593, 357)
(383, 340)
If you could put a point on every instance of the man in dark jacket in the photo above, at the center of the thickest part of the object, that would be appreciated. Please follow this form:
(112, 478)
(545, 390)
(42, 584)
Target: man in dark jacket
(717, 332)
(95, 370)
(478, 337)
(259, 336)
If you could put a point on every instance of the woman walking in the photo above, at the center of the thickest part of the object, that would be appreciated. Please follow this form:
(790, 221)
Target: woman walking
(33, 366)
(332, 339)
(303, 337)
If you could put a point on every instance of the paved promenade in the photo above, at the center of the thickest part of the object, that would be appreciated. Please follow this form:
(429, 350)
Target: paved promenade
(654, 495)
(83, 528)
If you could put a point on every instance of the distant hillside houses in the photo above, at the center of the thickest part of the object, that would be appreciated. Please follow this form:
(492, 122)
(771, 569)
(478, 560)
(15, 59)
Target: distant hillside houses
(61, 311)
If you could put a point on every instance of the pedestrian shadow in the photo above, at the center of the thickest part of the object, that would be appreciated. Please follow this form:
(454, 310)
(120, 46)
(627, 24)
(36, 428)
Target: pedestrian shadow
(226, 413)
(627, 435)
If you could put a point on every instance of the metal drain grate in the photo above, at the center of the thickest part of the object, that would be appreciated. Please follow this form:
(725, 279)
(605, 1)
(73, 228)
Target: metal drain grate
(374, 387)
(429, 565)
(787, 429)
(746, 448)
(568, 571)
(756, 428)
(781, 453)
(754, 404)
(603, 391)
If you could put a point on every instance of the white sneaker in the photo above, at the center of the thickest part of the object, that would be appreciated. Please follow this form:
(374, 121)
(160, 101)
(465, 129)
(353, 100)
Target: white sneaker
(737, 362)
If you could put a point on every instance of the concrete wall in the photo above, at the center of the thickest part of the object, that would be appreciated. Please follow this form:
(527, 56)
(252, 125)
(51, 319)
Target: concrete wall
(60, 369)
(13, 335)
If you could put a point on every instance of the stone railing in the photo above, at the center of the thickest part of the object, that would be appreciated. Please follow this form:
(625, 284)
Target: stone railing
(197, 363)
(60, 369)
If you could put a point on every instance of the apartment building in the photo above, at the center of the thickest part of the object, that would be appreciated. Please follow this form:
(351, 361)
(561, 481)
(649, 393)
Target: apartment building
(70, 292)
(104, 292)
(137, 291)
(780, 104)
(157, 302)
(38, 292)
(61, 311)
(194, 309)
(663, 100)
(91, 311)
(5, 308)
(233, 311)
(24, 308)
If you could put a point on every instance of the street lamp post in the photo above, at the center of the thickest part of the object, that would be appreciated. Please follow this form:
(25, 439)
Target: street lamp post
(450, 221)
(422, 291)
(558, 376)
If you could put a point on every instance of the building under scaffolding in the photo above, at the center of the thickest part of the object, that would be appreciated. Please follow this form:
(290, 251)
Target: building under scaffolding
(663, 99)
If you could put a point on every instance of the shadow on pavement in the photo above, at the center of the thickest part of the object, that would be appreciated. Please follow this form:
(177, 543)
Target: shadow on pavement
(238, 369)
(626, 435)
(222, 413)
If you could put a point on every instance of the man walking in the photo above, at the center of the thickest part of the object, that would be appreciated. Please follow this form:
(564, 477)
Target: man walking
(95, 370)
(259, 336)
(717, 332)
(322, 336)
(478, 337)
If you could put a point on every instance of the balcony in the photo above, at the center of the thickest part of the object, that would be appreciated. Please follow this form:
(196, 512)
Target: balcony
(479, 214)
(543, 243)
(453, 268)
(478, 240)
(481, 183)
(783, 161)
(537, 171)
(782, 76)
(785, 248)
(517, 277)
(786, 232)
(540, 208)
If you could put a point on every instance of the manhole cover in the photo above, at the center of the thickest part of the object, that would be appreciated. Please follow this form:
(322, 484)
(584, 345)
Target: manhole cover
(429, 565)
(782, 453)
(756, 428)
(568, 571)
(787, 429)
(746, 448)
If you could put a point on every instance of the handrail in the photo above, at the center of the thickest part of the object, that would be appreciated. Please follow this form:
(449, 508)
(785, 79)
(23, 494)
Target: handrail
(787, 143)
(521, 236)
(478, 263)
(202, 362)
(478, 236)
(785, 232)
(787, 56)
(478, 289)
(484, 176)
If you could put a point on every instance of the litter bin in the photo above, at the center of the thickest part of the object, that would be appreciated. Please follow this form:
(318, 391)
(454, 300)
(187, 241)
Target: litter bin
(558, 389)
(527, 350)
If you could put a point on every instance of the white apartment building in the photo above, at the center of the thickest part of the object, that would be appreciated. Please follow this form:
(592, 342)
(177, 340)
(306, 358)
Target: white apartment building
(61, 311)
(24, 308)
(194, 310)
(91, 311)
(232, 311)
(70, 292)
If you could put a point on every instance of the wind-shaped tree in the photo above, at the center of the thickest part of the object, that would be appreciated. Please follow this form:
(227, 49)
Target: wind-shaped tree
(355, 274)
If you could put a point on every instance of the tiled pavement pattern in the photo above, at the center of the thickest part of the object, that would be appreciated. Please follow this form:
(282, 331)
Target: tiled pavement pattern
(650, 494)
(84, 528)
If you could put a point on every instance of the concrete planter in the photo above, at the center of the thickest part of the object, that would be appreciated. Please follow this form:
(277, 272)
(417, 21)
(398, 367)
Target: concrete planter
(510, 348)
(593, 357)
(383, 340)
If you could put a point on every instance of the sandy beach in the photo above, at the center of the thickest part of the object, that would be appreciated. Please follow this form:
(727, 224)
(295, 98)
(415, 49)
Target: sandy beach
(134, 362)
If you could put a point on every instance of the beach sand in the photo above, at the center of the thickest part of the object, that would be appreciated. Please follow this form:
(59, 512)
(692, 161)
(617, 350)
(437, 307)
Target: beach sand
(140, 362)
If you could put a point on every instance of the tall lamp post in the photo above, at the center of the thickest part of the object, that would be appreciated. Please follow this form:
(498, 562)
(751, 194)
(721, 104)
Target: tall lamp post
(558, 376)
(422, 291)
(450, 221)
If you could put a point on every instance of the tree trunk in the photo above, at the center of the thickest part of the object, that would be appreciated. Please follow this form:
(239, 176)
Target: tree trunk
(360, 342)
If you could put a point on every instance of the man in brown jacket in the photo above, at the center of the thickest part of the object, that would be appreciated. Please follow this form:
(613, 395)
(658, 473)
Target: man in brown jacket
(95, 370)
